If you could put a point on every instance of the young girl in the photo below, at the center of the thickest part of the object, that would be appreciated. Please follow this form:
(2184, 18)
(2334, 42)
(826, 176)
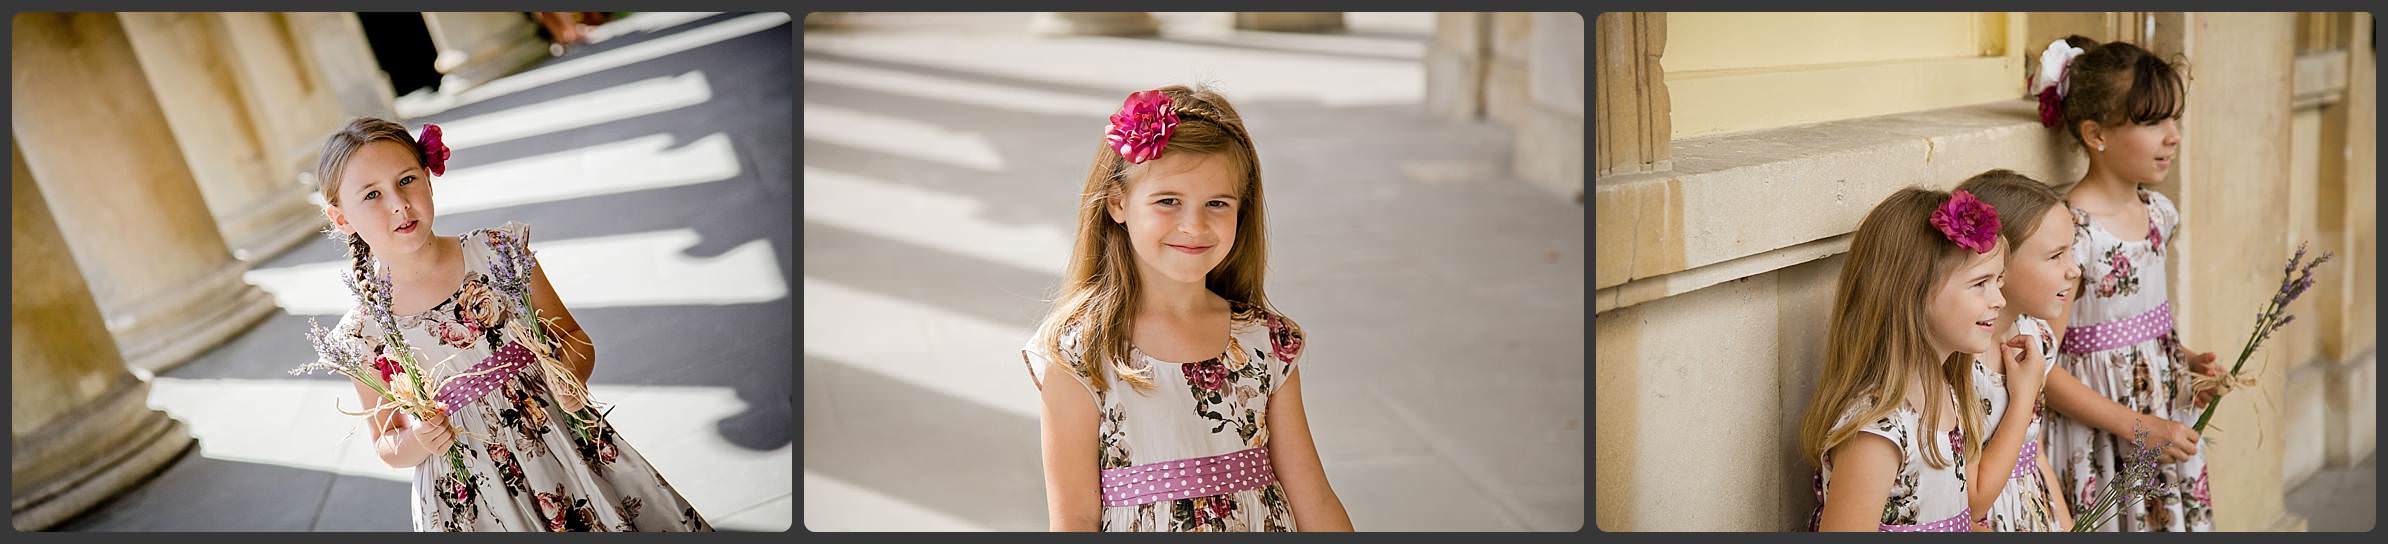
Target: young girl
(1186, 411)
(1887, 427)
(2039, 281)
(2122, 103)
(527, 466)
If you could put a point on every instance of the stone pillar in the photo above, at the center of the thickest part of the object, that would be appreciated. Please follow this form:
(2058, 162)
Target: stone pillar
(1287, 21)
(80, 428)
(1549, 147)
(1505, 74)
(1131, 23)
(93, 135)
(1455, 65)
(2239, 128)
(476, 47)
(1634, 132)
(2352, 341)
(293, 111)
(337, 55)
(261, 209)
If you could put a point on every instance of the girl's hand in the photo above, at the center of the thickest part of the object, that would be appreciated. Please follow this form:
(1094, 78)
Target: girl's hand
(567, 402)
(433, 435)
(2025, 366)
(2203, 363)
(2174, 442)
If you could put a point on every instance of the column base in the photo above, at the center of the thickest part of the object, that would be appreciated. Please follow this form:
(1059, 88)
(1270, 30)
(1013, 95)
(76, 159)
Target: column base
(77, 462)
(2352, 399)
(462, 70)
(1290, 22)
(271, 228)
(188, 321)
(1096, 24)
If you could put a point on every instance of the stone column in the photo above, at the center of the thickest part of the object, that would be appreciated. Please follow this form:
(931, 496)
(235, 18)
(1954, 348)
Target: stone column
(1634, 130)
(80, 428)
(337, 55)
(2220, 273)
(1549, 148)
(94, 137)
(1289, 21)
(476, 47)
(261, 209)
(1131, 23)
(1455, 65)
(294, 112)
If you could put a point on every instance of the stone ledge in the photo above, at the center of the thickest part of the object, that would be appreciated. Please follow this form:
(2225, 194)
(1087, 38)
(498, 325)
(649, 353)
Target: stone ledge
(1733, 197)
(2320, 80)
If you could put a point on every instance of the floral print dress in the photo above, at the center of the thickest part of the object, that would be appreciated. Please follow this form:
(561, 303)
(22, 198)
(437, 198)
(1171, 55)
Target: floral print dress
(1922, 498)
(532, 472)
(1214, 407)
(2024, 504)
(2121, 343)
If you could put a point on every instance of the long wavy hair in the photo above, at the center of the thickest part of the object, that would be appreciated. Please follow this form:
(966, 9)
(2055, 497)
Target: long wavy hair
(1097, 296)
(1878, 340)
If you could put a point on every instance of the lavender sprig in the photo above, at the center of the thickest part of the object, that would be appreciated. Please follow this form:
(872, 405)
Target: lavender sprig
(2135, 481)
(2295, 278)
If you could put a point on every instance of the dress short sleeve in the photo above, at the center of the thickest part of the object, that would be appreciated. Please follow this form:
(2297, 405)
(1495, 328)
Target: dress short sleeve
(1034, 354)
(2161, 212)
(2040, 332)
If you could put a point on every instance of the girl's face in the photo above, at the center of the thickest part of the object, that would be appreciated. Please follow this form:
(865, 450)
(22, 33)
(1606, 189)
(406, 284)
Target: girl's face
(1964, 307)
(1181, 215)
(2139, 153)
(2040, 272)
(384, 197)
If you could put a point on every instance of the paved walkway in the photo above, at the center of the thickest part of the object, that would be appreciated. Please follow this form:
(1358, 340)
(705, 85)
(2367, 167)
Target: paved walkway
(654, 171)
(1444, 299)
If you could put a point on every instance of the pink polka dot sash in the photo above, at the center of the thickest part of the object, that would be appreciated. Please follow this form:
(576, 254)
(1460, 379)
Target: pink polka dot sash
(2025, 464)
(2118, 333)
(1187, 478)
(509, 359)
(1962, 522)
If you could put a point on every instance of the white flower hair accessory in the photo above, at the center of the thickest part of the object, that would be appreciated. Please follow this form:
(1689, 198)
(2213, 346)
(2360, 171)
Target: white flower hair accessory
(2052, 66)
(2049, 83)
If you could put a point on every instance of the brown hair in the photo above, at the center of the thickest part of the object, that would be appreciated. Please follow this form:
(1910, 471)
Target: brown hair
(2116, 82)
(337, 148)
(1878, 337)
(1098, 291)
(2020, 201)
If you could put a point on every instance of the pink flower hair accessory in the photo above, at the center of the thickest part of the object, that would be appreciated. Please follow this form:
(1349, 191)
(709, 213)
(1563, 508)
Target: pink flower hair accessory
(1142, 126)
(1968, 221)
(435, 152)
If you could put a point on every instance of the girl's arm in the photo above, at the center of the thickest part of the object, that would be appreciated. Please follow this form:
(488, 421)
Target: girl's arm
(396, 443)
(2068, 396)
(2056, 492)
(1315, 506)
(1073, 482)
(1862, 469)
(574, 348)
(1990, 470)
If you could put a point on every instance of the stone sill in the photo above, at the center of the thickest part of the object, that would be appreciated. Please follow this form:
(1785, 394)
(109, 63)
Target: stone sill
(2320, 79)
(1740, 205)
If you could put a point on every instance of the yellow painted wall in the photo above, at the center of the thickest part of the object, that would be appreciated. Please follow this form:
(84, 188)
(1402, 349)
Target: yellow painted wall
(1733, 72)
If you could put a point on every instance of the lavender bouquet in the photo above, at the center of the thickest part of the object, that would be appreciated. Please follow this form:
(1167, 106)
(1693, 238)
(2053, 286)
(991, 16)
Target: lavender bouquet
(2137, 480)
(511, 272)
(2295, 278)
(410, 390)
